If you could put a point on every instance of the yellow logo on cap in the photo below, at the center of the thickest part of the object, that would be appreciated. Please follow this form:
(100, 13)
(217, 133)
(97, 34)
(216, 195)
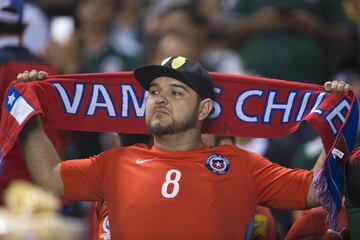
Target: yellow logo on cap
(178, 62)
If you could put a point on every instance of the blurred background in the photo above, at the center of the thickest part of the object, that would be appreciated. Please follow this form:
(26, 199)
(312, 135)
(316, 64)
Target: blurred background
(309, 41)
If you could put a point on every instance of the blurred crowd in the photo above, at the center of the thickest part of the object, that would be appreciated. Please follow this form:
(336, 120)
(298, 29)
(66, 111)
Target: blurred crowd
(309, 41)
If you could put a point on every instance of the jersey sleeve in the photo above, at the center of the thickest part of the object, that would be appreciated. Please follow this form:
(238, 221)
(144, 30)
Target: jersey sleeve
(280, 187)
(82, 178)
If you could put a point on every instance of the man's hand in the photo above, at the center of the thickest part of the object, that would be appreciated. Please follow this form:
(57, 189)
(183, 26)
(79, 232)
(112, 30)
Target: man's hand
(33, 75)
(339, 88)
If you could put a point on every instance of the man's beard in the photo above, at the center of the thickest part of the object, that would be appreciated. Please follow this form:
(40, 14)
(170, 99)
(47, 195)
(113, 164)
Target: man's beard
(174, 127)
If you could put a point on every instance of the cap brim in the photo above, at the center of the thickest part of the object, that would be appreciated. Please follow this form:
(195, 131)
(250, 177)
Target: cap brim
(146, 74)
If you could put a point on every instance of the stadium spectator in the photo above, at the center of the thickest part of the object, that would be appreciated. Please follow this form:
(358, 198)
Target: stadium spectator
(296, 41)
(14, 59)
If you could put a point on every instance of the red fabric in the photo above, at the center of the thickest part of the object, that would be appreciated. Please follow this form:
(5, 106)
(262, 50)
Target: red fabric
(99, 216)
(237, 112)
(355, 154)
(312, 225)
(205, 206)
(100, 230)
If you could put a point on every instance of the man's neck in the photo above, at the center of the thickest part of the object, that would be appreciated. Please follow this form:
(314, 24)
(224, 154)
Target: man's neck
(187, 140)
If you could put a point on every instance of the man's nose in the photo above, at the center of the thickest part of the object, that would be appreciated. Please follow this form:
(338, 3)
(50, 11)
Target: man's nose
(161, 99)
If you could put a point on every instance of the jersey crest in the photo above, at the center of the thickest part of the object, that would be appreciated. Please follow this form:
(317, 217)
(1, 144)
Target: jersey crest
(217, 164)
(106, 229)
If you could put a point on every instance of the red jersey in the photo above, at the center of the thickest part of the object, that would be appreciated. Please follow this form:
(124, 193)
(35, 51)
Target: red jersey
(100, 222)
(207, 193)
(312, 225)
(264, 226)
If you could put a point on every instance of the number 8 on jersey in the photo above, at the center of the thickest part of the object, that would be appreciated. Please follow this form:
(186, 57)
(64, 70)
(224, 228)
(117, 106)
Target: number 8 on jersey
(172, 179)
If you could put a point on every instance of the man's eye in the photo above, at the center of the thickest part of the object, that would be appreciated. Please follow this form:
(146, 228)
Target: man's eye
(176, 93)
(153, 92)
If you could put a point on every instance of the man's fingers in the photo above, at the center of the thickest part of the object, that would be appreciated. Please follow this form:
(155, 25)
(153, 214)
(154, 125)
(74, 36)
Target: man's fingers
(19, 77)
(33, 75)
(347, 88)
(340, 87)
(25, 76)
(327, 86)
(42, 75)
(334, 85)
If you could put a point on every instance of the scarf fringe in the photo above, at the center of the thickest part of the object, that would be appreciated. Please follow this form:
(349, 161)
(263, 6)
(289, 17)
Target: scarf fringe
(2, 161)
(325, 199)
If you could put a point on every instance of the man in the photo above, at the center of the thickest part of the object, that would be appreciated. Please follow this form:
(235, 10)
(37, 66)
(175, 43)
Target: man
(14, 59)
(179, 188)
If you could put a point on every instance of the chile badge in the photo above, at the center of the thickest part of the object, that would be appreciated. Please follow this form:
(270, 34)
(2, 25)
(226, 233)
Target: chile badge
(217, 164)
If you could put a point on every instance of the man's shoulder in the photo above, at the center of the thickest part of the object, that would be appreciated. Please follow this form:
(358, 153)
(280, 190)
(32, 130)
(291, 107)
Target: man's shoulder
(18, 54)
(129, 149)
(234, 150)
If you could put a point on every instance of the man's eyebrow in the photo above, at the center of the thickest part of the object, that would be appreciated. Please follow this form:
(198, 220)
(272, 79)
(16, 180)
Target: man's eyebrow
(153, 85)
(171, 84)
(179, 86)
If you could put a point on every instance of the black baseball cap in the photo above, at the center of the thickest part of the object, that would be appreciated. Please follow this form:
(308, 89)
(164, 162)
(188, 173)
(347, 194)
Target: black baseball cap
(186, 70)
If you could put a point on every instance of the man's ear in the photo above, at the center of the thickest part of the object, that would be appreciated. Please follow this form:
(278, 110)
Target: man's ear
(205, 108)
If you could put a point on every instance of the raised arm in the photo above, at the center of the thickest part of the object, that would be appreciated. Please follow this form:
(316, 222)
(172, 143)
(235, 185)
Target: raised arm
(40, 156)
(336, 87)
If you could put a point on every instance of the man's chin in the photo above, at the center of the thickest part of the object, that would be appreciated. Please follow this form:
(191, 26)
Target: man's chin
(158, 131)
(154, 126)
(156, 123)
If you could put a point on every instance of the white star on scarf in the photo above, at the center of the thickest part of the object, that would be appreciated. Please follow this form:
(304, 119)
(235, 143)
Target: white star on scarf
(11, 99)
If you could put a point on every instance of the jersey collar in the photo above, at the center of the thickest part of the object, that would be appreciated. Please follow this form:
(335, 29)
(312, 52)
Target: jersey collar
(156, 149)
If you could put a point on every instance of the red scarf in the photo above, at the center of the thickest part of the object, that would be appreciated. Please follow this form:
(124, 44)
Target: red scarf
(244, 106)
